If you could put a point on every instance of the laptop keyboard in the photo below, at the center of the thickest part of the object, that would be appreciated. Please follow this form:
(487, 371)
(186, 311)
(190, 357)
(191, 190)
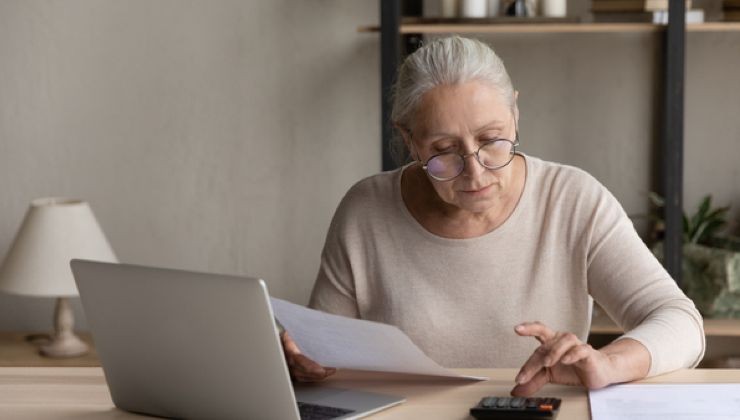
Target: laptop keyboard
(320, 412)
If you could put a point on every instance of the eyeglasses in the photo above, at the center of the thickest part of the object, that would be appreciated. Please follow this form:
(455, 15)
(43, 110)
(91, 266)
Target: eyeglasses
(492, 155)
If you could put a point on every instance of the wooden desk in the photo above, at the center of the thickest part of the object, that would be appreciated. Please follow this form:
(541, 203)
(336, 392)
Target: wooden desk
(74, 393)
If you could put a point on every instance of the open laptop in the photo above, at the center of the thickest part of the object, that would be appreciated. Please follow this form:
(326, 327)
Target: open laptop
(193, 345)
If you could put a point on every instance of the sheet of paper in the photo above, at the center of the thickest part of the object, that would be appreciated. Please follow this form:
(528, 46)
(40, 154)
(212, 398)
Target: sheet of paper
(666, 402)
(348, 343)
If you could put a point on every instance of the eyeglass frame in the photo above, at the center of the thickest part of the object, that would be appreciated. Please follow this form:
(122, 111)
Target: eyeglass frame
(514, 145)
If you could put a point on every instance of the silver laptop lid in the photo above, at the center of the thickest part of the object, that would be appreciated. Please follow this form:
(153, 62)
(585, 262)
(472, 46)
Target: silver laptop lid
(182, 344)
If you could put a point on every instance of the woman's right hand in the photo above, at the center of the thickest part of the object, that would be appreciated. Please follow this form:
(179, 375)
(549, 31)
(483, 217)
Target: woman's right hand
(301, 367)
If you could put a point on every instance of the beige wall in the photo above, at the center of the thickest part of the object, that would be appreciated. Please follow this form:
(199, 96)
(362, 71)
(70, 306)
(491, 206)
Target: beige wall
(214, 136)
(220, 135)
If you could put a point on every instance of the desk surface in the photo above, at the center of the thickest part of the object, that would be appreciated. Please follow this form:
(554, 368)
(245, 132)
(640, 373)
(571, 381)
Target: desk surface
(80, 392)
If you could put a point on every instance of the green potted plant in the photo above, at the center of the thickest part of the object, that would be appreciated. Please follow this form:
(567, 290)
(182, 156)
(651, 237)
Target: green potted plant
(711, 258)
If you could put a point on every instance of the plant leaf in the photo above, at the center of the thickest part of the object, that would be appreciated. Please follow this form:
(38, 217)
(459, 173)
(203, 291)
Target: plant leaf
(699, 216)
(718, 214)
(707, 234)
(695, 236)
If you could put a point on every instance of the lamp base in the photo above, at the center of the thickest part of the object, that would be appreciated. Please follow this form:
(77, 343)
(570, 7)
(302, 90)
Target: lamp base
(64, 342)
(64, 345)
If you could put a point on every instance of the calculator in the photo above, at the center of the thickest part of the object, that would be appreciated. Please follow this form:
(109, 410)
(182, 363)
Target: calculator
(516, 408)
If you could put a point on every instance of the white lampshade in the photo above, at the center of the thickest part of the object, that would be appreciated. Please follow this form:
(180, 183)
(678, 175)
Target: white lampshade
(54, 231)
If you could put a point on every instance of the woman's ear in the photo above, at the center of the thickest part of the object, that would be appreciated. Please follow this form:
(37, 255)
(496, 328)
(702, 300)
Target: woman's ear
(516, 107)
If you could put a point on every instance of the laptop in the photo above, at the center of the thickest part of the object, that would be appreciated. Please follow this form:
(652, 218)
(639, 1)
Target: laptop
(204, 346)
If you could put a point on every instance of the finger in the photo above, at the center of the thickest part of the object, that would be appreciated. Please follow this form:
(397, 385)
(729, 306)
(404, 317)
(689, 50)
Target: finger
(535, 329)
(308, 378)
(304, 365)
(301, 367)
(530, 387)
(577, 354)
(533, 365)
(289, 346)
(562, 343)
(313, 377)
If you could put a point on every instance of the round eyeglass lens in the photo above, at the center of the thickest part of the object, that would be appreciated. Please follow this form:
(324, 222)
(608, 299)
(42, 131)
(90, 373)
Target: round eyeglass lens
(496, 153)
(445, 166)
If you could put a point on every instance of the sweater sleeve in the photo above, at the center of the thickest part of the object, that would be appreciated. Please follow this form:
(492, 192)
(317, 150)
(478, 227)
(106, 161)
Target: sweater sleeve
(334, 290)
(635, 290)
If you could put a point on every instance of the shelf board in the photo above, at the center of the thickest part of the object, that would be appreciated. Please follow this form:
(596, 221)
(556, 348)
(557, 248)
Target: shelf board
(601, 324)
(18, 349)
(555, 27)
(714, 27)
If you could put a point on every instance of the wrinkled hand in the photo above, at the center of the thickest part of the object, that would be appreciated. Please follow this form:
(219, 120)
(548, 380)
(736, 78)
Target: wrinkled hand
(301, 367)
(561, 358)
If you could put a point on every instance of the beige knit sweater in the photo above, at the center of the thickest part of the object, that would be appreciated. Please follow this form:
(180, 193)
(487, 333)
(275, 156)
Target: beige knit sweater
(567, 243)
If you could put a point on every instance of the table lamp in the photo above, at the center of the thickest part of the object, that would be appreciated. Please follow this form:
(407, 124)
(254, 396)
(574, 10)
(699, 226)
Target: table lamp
(54, 231)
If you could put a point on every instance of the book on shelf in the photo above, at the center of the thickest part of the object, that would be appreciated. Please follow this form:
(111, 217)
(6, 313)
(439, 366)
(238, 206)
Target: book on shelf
(659, 17)
(607, 6)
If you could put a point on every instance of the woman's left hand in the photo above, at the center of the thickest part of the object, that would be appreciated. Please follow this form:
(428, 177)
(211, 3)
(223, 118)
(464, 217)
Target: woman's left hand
(561, 358)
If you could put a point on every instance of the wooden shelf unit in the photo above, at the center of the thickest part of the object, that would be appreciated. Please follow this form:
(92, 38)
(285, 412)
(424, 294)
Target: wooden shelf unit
(570, 27)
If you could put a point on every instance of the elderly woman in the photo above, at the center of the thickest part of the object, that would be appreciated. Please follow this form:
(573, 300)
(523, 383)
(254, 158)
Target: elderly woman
(487, 257)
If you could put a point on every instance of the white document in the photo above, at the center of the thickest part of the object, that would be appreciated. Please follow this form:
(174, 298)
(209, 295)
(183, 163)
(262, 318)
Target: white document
(348, 343)
(666, 402)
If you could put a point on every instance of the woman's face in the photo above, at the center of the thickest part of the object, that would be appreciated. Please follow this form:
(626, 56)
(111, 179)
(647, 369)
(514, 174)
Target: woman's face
(460, 118)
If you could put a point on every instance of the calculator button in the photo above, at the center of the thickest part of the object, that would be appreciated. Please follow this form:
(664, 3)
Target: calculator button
(489, 402)
(503, 402)
(517, 402)
(531, 403)
(545, 407)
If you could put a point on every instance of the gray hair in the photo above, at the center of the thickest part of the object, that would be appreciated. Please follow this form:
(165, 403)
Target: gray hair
(444, 61)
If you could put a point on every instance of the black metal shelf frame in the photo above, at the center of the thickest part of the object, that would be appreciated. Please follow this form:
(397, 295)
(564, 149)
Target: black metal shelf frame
(671, 133)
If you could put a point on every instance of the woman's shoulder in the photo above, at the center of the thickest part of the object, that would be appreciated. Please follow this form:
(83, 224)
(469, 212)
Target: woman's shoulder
(560, 173)
(570, 189)
(374, 186)
(369, 197)
(577, 198)
(371, 191)
(563, 178)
